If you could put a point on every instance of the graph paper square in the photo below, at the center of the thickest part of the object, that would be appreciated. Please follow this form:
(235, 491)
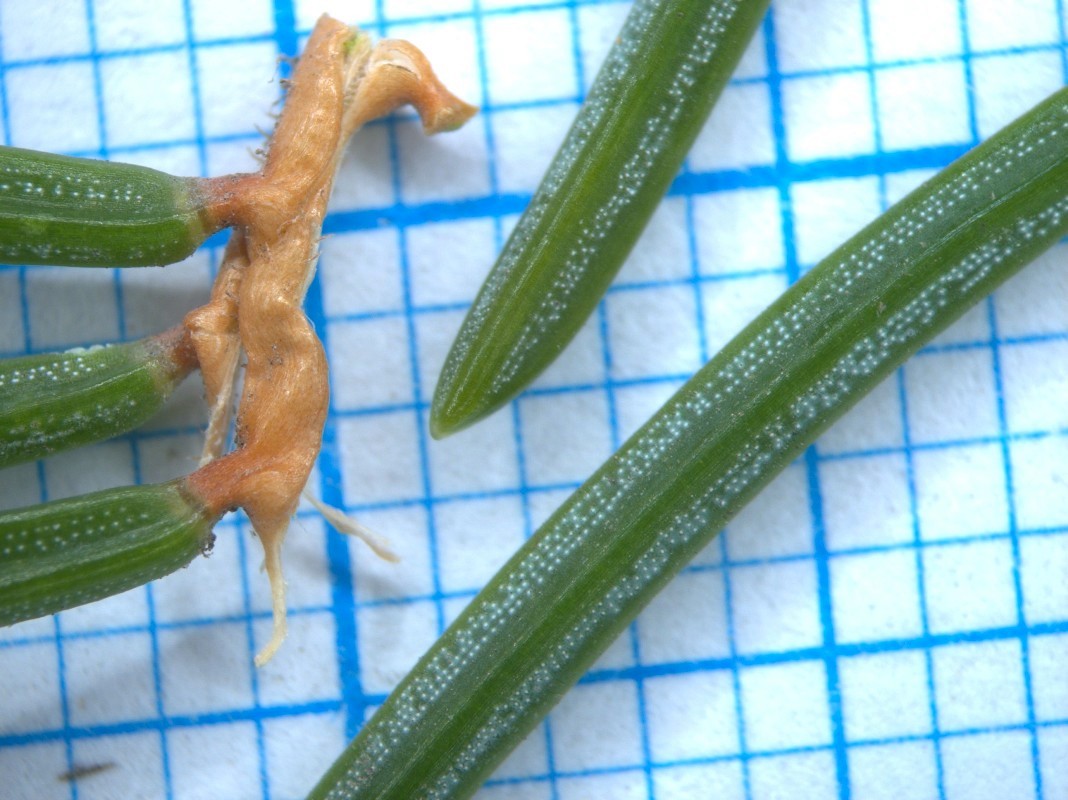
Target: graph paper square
(876, 596)
(723, 778)
(867, 481)
(1033, 23)
(721, 246)
(553, 457)
(895, 36)
(703, 629)
(55, 101)
(1033, 413)
(314, 736)
(536, 72)
(723, 144)
(778, 527)
(949, 570)
(130, 88)
(1053, 745)
(589, 787)
(713, 732)
(575, 750)
(1040, 558)
(430, 284)
(754, 603)
(952, 509)
(808, 773)
(940, 384)
(828, 212)
(649, 335)
(195, 776)
(68, 30)
(238, 107)
(125, 24)
(84, 660)
(835, 46)
(827, 115)
(907, 93)
(785, 706)
(885, 695)
(345, 263)
(997, 99)
(988, 669)
(136, 765)
(886, 620)
(1002, 761)
(887, 772)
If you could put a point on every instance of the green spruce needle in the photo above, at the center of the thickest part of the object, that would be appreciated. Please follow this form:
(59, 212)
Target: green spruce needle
(81, 212)
(57, 401)
(66, 553)
(646, 107)
(562, 599)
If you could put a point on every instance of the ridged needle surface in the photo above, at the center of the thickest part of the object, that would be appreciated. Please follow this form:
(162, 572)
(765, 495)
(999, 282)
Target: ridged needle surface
(67, 553)
(56, 401)
(644, 110)
(82, 212)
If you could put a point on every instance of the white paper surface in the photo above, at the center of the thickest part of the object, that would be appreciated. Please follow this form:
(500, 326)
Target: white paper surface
(889, 620)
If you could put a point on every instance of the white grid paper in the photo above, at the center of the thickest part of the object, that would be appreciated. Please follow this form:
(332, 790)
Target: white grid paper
(890, 619)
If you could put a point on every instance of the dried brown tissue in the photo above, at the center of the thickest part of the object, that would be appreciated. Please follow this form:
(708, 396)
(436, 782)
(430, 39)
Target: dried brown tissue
(340, 82)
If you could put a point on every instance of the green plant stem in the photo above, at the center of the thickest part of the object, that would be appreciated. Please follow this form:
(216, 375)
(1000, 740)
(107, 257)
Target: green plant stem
(57, 401)
(558, 603)
(66, 553)
(81, 212)
(657, 86)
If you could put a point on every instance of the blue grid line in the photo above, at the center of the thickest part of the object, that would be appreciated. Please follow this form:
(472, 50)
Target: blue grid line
(224, 716)
(1014, 539)
(98, 54)
(625, 674)
(1062, 16)
(339, 557)
(823, 580)
(381, 22)
(490, 107)
(899, 379)
(779, 753)
(927, 641)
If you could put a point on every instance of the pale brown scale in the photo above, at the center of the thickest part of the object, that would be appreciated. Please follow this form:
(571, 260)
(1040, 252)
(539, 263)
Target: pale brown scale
(338, 84)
